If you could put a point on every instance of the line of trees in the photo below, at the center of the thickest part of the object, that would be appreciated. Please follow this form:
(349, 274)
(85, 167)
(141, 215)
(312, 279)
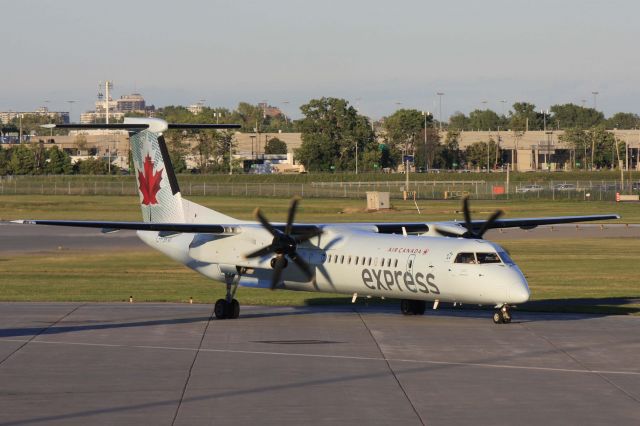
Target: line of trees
(35, 159)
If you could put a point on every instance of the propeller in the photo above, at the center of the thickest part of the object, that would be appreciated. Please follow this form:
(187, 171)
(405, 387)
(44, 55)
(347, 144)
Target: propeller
(468, 224)
(284, 245)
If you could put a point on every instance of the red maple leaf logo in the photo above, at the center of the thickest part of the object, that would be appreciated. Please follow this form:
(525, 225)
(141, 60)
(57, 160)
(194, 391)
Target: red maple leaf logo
(149, 182)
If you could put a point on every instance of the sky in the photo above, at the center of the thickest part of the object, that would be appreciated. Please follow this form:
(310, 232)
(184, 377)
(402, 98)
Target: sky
(379, 55)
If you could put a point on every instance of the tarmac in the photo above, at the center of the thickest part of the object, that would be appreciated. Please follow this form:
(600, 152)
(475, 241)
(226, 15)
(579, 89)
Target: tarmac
(166, 364)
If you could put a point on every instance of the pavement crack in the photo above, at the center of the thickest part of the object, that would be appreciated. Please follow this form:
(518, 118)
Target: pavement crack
(43, 330)
(193, 363)
(393, 373)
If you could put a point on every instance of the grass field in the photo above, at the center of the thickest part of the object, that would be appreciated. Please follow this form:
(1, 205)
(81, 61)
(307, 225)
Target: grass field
(311, 210)
(586, 275)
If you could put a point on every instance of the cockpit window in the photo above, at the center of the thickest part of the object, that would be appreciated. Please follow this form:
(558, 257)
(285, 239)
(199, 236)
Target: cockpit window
(488, 258)
(465, 258)
(505, 258)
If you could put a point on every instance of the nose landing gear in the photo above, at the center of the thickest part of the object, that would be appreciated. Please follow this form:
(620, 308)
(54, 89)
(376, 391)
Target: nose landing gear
(502, 315)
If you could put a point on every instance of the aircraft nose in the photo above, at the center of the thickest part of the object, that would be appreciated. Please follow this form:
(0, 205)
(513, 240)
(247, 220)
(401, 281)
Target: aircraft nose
(519, 293)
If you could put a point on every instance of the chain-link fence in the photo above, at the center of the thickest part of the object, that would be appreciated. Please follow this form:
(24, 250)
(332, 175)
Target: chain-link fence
(553, 190)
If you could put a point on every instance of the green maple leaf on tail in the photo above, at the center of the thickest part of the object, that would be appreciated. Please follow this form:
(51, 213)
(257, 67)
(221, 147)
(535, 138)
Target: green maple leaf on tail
(149, 182)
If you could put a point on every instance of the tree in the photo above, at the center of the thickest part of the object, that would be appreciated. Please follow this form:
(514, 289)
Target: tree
(623, 121)
(571, 116)
(331, 130)
(402, 131)
(459, 121)
(450, 155)
(476, 154)
(577, 139)
(275, 146)
(5, 161)
(204, 149)
(93, 166)
(178, 150)
(22, 160)
(58, 162)
(485, 120)
(81, 142)
(524, 117)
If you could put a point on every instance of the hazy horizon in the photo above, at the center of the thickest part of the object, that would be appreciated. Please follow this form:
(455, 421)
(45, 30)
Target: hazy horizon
(380, 56)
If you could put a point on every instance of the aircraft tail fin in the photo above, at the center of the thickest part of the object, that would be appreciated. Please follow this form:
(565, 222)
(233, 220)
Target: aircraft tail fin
(160, 197)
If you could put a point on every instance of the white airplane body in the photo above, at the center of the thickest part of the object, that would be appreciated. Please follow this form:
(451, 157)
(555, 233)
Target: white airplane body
(414, 262)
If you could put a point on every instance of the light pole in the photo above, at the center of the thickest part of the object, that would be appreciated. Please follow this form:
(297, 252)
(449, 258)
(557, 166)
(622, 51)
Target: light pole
(440, 95)
(426, 156)
(71, 110)
(595, 99)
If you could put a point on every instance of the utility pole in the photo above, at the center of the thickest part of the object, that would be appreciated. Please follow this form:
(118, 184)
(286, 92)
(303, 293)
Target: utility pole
(426, 154)
(440, 95)
(595, 100)
(356, 157)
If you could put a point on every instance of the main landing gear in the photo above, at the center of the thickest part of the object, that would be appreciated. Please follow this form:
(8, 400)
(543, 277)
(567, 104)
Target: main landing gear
(413, 307)
(229, 308)
(502, 315)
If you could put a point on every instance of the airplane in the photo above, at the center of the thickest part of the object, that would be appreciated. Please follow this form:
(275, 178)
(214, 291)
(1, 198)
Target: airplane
(416, 262)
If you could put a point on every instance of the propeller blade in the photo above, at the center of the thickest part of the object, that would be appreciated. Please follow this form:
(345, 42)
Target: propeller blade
(306, 237)
(445, 233)
(260, 252)
(277, 271)
(263, 220)
(488, 224)
(291, 216)
(467, 213)
(303, 265)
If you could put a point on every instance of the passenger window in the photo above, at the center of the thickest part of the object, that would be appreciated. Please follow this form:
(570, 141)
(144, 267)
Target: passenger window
(329, 259)
(369, 262)
(395, 264)
(465, 258)
(488, 257)
(382, 262)
(349, 260)
(375, 262)
(357, 259)
(342, 259)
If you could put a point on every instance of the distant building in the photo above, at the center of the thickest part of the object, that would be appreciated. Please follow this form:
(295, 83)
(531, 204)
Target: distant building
(7, 116)
(133, 103)
(195, 109)
(268, 110)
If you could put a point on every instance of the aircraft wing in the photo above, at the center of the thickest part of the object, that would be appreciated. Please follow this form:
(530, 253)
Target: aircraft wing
(452, 228)
(172, 228)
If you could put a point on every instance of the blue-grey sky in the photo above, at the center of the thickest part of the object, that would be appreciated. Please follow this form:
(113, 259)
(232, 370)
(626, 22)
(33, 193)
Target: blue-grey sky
(377, 54)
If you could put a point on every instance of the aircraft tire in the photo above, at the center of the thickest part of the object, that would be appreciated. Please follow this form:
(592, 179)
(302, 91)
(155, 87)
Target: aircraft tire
(234, 309)
(497, 317)
(419, 306)
(406, 307)
(220, 309)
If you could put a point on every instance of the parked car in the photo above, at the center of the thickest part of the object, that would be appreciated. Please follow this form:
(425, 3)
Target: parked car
(529, 188)
(565, 187)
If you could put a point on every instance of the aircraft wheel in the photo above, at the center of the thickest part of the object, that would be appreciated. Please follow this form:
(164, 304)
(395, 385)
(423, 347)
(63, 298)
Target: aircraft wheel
(220, 309)
(234, 309)
(497, 317)
(419, 306)
(406, 307)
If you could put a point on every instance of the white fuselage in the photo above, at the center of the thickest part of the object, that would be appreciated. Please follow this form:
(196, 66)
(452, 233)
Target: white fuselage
(351, 261)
